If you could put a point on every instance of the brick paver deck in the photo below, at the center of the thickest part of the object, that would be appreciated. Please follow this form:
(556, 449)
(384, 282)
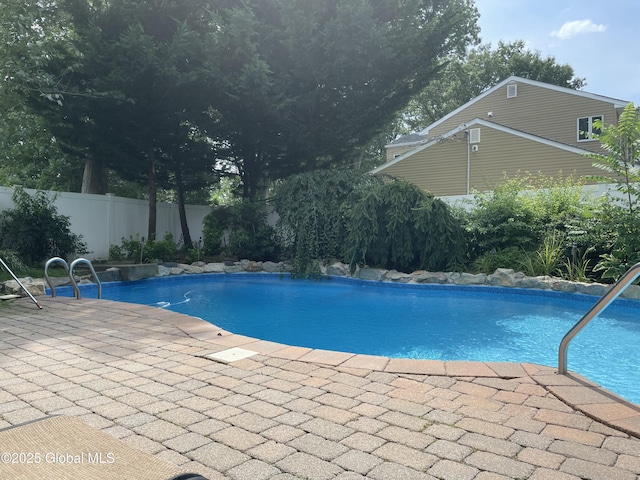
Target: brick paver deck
(145, 376)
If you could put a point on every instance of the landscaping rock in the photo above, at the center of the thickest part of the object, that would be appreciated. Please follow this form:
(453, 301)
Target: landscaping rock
(35, 287)
(632, 292)
(420, 276)
(469, 279)
(163, 271)
(176, 271)
(338, 269)
(272, 267)
(214, 268)
(111, 275)
(253, 267)
(399, 277)
(233, 268)
(592, 288)
(561, 285)
(502, 277)
(375, 274)
(541, 283)
(191, 269)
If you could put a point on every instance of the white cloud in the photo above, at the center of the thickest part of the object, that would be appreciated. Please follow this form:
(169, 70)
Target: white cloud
(577, 27)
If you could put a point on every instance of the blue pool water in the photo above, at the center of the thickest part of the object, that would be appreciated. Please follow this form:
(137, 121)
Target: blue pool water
(442, 322)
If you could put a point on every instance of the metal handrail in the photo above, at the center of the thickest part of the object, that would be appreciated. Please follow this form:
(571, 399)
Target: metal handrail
(93, 272)
(50, 262)
(613, 293)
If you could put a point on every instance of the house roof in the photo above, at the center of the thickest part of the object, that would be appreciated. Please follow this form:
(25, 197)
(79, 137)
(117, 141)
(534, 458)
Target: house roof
(410, 139)
(486, 123)
(616, 102)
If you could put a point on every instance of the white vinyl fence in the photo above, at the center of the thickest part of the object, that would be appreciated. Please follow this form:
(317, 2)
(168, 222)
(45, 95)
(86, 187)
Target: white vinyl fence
(104, 220)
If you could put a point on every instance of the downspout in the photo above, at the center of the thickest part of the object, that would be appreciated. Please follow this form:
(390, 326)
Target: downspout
(466, 134)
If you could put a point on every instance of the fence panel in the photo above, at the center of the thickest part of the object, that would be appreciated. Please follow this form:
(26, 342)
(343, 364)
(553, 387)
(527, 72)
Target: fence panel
(104, 220)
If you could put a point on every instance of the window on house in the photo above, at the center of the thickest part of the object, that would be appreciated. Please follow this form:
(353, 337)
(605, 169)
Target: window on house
(512, 90)
(586, 130)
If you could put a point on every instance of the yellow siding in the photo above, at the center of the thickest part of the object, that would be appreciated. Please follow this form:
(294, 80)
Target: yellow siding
(392, 151)
(501, 154)
(442, 168)
(536, 110)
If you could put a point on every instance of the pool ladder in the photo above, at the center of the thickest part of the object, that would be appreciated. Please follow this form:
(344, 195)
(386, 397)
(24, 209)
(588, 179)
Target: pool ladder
(606, 300)
(69, 269)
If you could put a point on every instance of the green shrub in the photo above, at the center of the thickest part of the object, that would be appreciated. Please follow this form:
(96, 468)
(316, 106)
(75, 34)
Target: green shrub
(213, 231)
(312, 209)
(36, 231)
(12, 260)
(522, 211)
(616, 236)
(160, 250)
(488, 262)
(399, 226)
(135, 250)
(249, 235)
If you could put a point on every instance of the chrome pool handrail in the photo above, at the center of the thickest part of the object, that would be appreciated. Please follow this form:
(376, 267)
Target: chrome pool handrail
(50, 262)
(613, 293)
(93, 272)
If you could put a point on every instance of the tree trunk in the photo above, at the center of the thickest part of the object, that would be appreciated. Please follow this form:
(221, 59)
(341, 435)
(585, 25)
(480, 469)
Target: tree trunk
(95, 178)
(152, 196)
(186, 235)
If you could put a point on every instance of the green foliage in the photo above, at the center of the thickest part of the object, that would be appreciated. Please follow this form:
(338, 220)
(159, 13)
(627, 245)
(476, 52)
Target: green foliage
(36, 231)
(397, 225)
(618, 231)
(245, 225)
(576, 269)
(160, 250)
(488, 262)
(617, 225)
(312, 209)
(135, 250)
(115, 253)
(12, 260)
(501, 219)
(213, 230)
(522, 211)
(622, 144)
(546, 260)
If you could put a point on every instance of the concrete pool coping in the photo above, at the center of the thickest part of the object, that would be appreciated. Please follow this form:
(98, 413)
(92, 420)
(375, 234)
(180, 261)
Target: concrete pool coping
(147, 376)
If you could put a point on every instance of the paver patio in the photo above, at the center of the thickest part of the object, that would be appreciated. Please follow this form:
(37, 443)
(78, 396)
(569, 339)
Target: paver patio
(147, 377)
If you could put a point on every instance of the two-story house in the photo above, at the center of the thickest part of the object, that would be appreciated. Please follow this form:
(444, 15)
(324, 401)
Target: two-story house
(518, 126)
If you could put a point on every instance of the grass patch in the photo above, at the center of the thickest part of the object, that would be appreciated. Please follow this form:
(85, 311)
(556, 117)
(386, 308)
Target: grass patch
(33, 273)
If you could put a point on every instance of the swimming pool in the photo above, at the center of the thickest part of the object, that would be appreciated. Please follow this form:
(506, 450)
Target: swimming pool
(444, 322)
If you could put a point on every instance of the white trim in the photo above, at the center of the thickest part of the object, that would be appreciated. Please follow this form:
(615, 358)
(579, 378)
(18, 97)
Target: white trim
(617, 103)
(416, 142)
(590, 132)
(484, 123)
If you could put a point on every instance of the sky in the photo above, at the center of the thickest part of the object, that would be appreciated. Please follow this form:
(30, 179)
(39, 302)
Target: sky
(600, 39)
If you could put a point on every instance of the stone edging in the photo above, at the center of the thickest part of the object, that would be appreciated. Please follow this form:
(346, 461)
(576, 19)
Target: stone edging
(502, 277)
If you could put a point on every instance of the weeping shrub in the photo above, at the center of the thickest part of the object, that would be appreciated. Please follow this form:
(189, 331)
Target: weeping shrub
(397, 225)
(313, 213)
